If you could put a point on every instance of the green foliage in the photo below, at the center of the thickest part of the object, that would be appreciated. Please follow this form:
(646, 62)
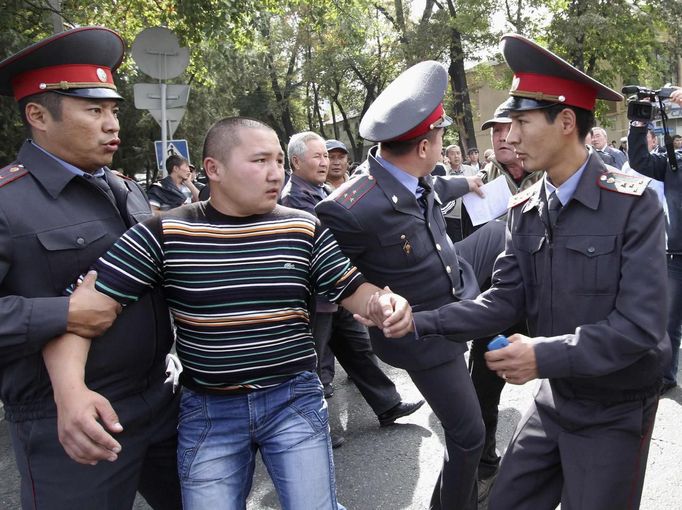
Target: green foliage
(285, 61)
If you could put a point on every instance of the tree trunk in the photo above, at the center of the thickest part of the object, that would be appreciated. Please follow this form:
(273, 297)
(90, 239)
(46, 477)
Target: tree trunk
(462, 116)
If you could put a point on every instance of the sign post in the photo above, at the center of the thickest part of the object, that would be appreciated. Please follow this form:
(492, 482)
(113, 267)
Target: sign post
(158, 54)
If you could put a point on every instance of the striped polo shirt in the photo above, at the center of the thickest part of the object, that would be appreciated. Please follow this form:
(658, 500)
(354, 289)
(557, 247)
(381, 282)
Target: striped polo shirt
(238, 289)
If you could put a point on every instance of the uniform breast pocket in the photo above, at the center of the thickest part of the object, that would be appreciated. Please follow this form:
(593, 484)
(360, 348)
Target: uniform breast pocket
(69, 252)
(595, 264)
(530, 257)
(406, 246)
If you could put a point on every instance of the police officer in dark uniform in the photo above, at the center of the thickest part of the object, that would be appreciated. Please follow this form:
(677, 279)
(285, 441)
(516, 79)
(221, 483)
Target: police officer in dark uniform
(60, 209)
(388, 221)
(584, 262)
(334, 329)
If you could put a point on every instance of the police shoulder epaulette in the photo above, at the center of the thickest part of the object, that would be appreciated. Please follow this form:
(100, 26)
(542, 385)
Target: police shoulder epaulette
(122, 175)
(524, 195)
(623, 183)
(11, 173)
(351, 192)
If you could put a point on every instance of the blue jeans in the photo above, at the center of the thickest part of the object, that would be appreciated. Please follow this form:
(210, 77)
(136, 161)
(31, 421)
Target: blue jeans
(674, 314)
(218, 436)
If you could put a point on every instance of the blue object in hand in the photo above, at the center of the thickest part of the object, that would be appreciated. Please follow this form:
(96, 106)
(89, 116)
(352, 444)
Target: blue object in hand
(498, 342)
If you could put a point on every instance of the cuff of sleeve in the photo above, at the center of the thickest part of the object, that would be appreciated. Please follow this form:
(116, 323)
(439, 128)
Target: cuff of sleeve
(426, 323)
(351, 288)
(551, 357)
(49, 317)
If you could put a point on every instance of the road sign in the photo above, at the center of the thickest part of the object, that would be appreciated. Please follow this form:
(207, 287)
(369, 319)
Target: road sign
(173, 118)
(148, 96)
(178, 147)
(158, 54)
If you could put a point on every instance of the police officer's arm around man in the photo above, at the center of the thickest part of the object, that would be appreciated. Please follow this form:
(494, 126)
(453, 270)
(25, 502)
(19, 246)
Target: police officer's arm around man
(584, 262)
(61, 208)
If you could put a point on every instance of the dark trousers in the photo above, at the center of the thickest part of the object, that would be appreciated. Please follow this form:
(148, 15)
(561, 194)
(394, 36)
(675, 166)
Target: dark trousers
(449, 391)
(147, 463)
(584, 454)
(349, 341)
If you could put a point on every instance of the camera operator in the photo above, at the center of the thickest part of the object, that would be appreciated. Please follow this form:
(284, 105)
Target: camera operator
(655, 164)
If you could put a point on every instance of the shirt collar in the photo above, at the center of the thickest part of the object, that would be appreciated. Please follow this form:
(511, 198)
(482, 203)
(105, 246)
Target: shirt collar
(407, 180)
(567, 189)
(68, 166)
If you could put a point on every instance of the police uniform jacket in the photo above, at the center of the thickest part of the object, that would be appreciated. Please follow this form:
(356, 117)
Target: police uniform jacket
(381, 227)
(53, 226)
(594, 291)
(655, 165)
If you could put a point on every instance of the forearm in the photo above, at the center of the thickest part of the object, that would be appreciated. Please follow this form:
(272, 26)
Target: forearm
(65, 359)
(356, 303)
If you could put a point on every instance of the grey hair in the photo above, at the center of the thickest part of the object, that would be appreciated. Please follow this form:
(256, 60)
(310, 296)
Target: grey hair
(297, 144)
(603, 131)
(450, 147)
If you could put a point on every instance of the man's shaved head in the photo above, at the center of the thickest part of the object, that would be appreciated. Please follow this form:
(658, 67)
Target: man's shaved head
(224, 135)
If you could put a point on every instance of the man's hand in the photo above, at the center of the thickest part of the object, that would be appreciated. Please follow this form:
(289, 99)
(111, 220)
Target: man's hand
(91, 313)
(83, 418)
(475, 184)
(515, 363)
(388, 311)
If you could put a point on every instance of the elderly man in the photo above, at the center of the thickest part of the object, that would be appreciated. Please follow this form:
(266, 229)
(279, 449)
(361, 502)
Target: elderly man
(60, 209)
(335, 331)
(453, 209)
(389, 222)
(602, 147)
(585, 264)
(240, 303)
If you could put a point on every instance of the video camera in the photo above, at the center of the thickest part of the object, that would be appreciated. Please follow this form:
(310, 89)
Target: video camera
(646, 111)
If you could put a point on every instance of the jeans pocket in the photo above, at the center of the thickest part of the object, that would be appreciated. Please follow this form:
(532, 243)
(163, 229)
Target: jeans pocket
(193, 427)
(307, 399)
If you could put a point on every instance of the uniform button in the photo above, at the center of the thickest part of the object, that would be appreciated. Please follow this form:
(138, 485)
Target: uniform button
(591, 249)
(438, 247)
(448, 269)
(80, 241)
(454, 292)
(402, 236)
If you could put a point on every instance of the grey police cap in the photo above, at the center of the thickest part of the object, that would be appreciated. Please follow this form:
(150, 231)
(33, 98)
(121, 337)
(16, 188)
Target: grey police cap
(332, 144)
(410, 106)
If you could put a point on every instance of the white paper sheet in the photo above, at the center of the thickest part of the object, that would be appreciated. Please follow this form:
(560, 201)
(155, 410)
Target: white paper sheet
(493, 205)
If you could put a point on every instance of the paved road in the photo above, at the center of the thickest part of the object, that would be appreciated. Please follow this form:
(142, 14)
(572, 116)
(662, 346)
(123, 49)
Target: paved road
(395, 468)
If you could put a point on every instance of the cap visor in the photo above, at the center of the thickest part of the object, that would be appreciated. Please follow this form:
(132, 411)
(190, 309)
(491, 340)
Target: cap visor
(94, 93)
(443, 122)
(521, 104)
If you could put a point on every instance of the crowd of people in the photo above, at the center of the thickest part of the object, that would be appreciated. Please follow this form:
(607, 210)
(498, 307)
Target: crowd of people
(261, 279)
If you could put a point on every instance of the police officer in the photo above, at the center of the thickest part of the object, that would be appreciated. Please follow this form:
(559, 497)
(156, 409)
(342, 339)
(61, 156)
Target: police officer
(60, 209)
(585, 264)
(389, 222)
(335, 331)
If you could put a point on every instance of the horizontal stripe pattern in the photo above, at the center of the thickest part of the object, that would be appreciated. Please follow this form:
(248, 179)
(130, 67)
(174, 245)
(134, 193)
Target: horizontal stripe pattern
(238, 288)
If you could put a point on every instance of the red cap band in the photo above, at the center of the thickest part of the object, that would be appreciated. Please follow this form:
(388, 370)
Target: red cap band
(423, 127)
(63, 77)
(574, 93)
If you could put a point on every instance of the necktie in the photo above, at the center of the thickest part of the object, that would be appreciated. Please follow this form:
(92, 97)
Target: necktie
(423, 190)
(102, 185)
(553, 208)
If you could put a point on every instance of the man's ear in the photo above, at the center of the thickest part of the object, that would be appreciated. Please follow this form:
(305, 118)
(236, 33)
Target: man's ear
(422, 147)
(212, 169)
(568, 121)
(294, 160)
(37, 116)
